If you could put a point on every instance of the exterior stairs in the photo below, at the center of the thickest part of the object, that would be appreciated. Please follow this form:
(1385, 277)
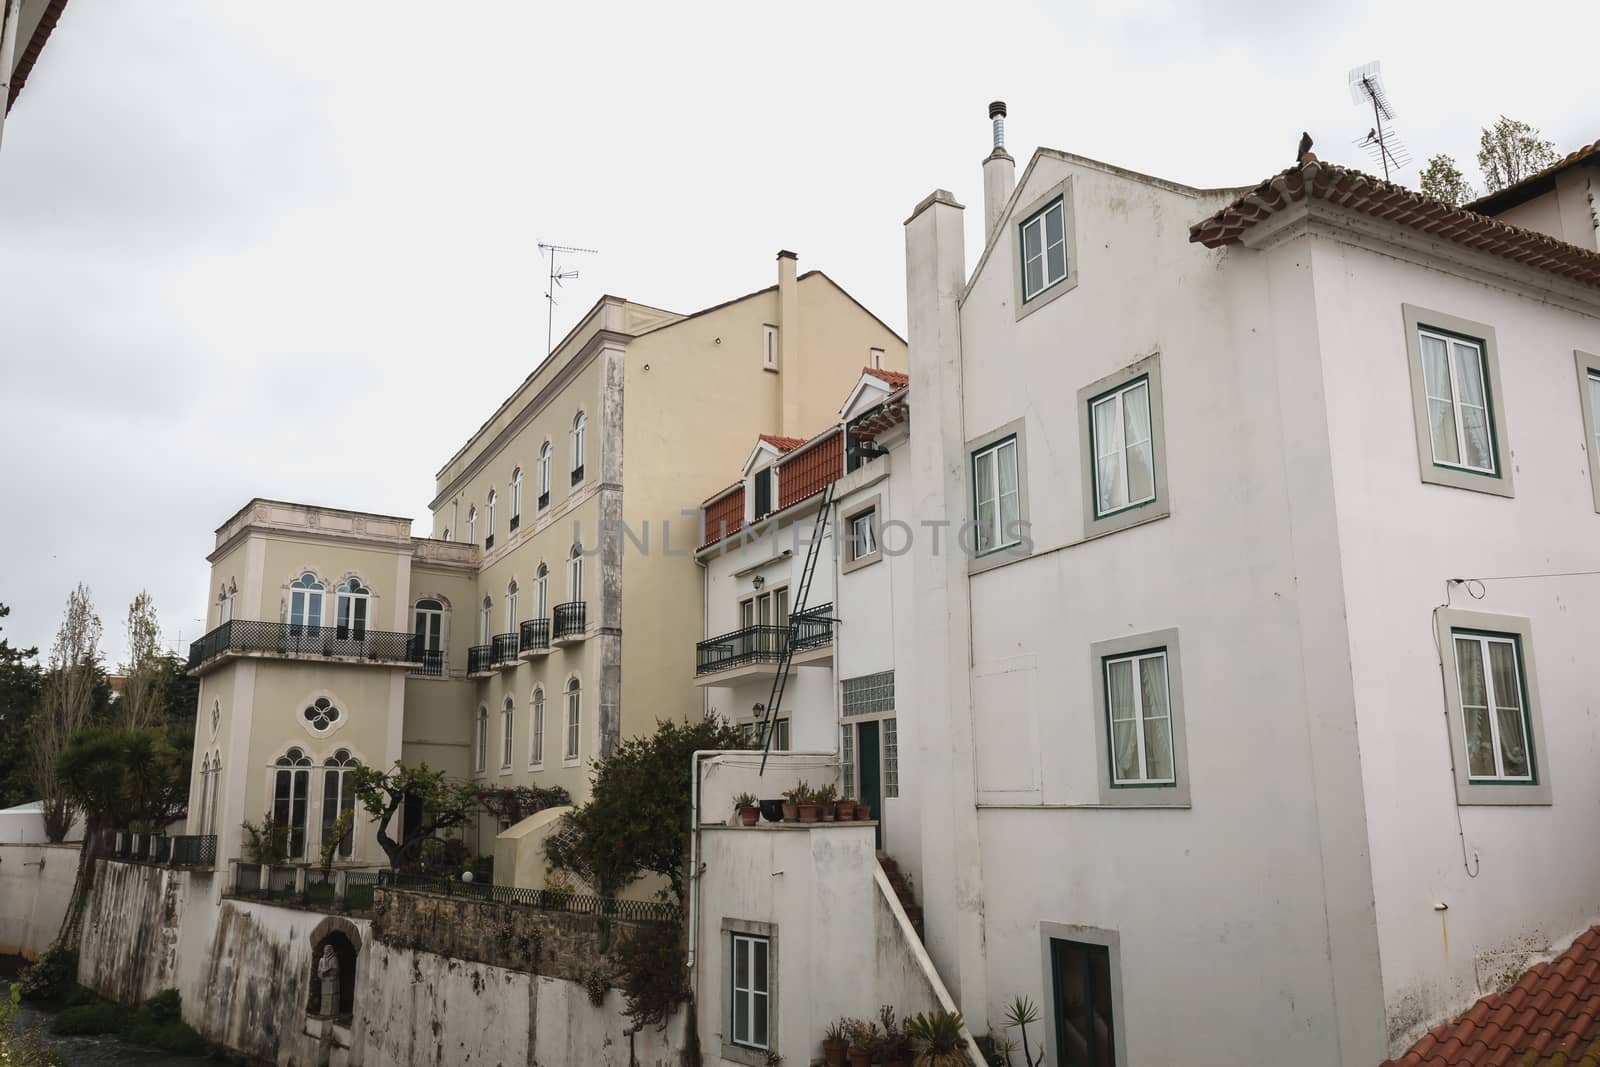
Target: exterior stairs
(902, 890)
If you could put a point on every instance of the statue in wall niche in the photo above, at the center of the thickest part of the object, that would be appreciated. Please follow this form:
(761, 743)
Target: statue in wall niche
(328, 975)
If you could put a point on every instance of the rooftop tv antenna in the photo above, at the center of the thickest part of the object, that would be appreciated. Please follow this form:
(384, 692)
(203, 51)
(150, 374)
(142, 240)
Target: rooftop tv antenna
(1383, 145)
(557, 276)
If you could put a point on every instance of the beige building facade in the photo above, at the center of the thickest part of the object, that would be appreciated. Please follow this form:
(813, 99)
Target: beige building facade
(554, 605)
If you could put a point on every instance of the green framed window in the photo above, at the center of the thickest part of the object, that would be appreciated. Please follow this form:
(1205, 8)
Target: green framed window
(1044, 248)
(1123, 448)
(1139, 719)
(1494, 707)
(996, 496)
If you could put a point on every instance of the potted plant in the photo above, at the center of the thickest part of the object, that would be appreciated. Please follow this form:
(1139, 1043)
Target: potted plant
(864, 1040)
(836, 1042)
(894, 1048)
(805, 802)
(845, 809)
(748, 807)
(863, 811)
(791, 809)
(825, 798)
(936, 1039)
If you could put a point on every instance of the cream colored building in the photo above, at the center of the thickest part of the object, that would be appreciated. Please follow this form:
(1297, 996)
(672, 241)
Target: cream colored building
(494, 647)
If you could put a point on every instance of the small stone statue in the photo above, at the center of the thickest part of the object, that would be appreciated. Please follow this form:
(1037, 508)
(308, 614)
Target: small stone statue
(328, 973)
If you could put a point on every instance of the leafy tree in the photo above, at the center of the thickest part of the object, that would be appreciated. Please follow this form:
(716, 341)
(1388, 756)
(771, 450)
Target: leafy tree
(637, 819)
(133, 779)
(1442, 180)
(443, 805)
(513, 804)
(66, 704)
(19, 691)
(143, 701)
(1510, 151)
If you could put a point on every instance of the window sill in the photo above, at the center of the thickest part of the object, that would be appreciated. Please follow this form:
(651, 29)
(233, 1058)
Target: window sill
(741, 1054)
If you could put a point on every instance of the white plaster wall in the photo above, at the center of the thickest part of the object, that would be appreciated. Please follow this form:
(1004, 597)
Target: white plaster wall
(35, 884)
(1401, 540)
(839, 950)
(1223, 909)
(727, 774)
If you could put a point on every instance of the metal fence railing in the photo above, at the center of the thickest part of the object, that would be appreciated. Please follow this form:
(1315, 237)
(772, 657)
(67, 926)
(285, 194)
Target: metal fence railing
(569, 620)
(503, 650)
(535, 634)
(812, 628)
(541, 899)
(177, 850)
(430, 664)
(298, 639)
(479, 658)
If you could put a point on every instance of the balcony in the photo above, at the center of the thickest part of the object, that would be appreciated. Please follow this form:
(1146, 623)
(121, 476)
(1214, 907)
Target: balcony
(754, 651)
(244, 637)
(431, 665)
(568, 623)
(503, 651)
(480, 660)
(534, 638)
(189, 850)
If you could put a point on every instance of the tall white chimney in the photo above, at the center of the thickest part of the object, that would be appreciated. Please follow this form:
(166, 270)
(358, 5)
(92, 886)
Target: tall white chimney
(791, 365)
(999, 172)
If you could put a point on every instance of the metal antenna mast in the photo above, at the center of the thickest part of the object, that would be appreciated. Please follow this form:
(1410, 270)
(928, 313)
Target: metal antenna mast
(1366, 87)
(557, 276)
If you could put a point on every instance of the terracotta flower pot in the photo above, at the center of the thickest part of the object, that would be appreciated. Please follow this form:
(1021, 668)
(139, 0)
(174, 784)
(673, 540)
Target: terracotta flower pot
(808, 813)
(833, 1053)
(749, 814)
(860, 1057)
(863, 811)
(845, 810)
(791, 812)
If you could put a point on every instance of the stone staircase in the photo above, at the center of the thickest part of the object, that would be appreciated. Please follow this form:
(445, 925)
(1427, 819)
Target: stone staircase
(902, 890)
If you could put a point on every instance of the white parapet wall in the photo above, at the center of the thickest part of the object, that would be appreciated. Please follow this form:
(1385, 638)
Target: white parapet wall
(727, 774)
(35, 885)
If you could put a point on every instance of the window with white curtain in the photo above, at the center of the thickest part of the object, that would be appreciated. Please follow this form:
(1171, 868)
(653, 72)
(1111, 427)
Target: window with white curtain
(1494, 717)
(1124, 452)
(1458, 402)
(996, 496)
(1140, 719)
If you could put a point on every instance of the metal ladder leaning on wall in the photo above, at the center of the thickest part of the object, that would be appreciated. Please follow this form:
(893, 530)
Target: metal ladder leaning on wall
(769, 719)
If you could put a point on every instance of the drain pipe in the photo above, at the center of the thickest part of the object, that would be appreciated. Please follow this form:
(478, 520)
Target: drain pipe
(694, 865)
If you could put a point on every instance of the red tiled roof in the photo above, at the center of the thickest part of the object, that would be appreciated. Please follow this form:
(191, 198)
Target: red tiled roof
(1520, 191)
(1550, 1017)
(1355, 191)
(781, 443)
(893, 377)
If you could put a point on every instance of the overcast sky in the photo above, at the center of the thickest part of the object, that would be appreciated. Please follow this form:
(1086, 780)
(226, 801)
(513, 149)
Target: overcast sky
(288, 250)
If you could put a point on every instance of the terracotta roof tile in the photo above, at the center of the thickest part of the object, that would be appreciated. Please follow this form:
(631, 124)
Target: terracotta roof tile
(893, 377)
(1550, 1017)
(1355, 191)
(781, 443)
(1531, 186)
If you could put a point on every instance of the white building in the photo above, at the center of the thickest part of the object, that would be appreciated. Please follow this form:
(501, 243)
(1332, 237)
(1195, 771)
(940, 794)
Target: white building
(1247, 750)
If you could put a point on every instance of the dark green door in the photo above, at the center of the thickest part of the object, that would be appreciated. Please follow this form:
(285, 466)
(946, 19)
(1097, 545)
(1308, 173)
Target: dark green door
(1085, 1026)
(867, 761)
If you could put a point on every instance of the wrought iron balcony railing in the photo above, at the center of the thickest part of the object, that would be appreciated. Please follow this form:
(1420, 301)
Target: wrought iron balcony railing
(812, 628)
(503, 650)
(479, 659)
(298, 639)
(187, 850)
(568, 620)
(431, 664)
(535, 635)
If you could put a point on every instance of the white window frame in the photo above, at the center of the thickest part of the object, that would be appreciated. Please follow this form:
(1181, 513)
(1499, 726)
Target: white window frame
(342, 788)
(430, 623)
(516, 492)
(486, 621)
(536, 729)
(1026, 303)
(580, 424)
(1589, 403)
(1135, 662)
(488, 515)
(1454, 347)
(575, 576)
(875, 358)
(1120, 446)
(738, 1044)
(353, 607)
(305, 601)
(856, 553)
(1495, 479)
(1171, 792)
(863, 542)
(541, 592)
(769, 347)
(572, 724)
(1157, 505)
(511, 607)
(472, 525)
(992, 455)
(508, 723)
(1036, 222)
(1471, 789)
(544, 474)
(480, 761)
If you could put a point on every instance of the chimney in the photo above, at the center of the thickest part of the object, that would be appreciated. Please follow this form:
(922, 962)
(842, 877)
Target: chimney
(999, 172)
(790, 364)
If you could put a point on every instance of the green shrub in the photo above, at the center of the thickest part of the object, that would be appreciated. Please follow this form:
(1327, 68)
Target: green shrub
(180, 1038)
(165, 1007)
(88, 1020)
(52, 977)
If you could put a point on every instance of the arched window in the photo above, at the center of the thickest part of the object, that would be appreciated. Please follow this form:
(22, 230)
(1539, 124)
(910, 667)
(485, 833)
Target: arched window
(575, 574)
(209, 823)
(578, 425)
(472, 525)
(507, 722)
(205, 795)
(483, 621)
(488, 531)
(511, 607)
(291, 783)
(544, 476)
(430, 625)
(569, 751)
(536, 730)
(339, 800)
(352, 609)
(225, 602)
(446, 536)
(480, 758)
(321, 715)
(516, 496)
(305, 604)
(541, 592)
